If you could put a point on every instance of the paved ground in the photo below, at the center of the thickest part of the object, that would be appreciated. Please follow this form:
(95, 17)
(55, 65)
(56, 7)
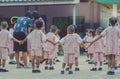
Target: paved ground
(84, 72)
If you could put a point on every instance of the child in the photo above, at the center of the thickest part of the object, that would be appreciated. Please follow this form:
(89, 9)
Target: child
(36, 37)
(98, 54)
(5, 36)
(85, 38)
(77, 52)
(69, 49)
(56, 46)
(112, 45)
(11, 55)
(50, 47)
(91, 48)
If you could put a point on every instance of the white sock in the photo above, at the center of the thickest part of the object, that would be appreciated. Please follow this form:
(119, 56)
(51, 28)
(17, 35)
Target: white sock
(95, 66)
(37, 68)
(112, 69)
(109, 69)
(3, 68)
(62, 69)
(67, 67)
(76, 66)
(70, 69)
(46, 65)
(21, 62)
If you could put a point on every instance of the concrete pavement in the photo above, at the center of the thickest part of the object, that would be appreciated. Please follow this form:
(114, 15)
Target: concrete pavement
(84, 72)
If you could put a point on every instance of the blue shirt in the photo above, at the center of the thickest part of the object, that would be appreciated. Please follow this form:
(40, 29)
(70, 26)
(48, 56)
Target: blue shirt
(22, 24)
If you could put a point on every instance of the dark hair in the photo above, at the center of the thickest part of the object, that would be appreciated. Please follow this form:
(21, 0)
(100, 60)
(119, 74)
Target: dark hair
(29, 14)
(113, 21)
(53, 28)
(92, 32)
(75, 27)
(99, 29)
(39, 24)
(36, 14)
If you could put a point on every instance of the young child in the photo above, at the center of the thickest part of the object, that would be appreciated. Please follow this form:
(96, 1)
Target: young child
(112, 45)
(86, 51)
(77, 52)
(56, 46)
(92, 47)
(49, 47)
(5, 36)
(36, 37)
(98, 54)
(69, 49)
(11, 55)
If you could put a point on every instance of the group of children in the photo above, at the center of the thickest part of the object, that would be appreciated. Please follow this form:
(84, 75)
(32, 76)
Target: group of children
(38, 41)
(104, 44)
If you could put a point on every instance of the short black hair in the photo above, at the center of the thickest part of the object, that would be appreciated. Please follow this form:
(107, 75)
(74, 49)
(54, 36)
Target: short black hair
(29, 14)
(36, 14)
(39, 24)
(113, 21)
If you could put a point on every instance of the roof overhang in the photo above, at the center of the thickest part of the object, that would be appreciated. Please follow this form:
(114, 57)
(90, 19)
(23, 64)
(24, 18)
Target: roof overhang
(37, 2)
(107, 1)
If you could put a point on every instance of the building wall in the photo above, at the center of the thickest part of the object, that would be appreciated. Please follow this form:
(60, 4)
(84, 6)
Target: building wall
(88, 10)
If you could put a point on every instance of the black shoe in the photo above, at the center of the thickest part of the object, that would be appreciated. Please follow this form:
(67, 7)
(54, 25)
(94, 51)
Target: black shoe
(38, 71)
(62, 72)
(116, 67)
(58, 60)
(90, 63)
(46, 68)
(51, 68)
(77, 69)
(100, 69)
(12, 62)
(105, 63)
(110, 73)
(33, 71)
(1, 69)
(93, 69)
(87, 60)
(70, 72)
(21, 64)
(67, 69)
(4, 70)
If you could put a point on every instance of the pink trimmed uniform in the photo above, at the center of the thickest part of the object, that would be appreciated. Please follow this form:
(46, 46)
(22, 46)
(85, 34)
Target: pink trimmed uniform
(112, 36)
(77, 46)
(91, 49)
(5, 36)
(99, 46)
(69, 47)
(56, 47)
(36, 38)
(49, 47)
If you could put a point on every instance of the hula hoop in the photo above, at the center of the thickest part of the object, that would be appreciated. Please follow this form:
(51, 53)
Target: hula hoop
(11, 19)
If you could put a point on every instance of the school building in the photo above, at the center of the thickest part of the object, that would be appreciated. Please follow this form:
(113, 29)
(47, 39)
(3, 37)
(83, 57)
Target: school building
(62, 13)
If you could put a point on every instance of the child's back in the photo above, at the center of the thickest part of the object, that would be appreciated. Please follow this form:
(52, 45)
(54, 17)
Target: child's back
(49, 46)
(35, 39)
(4, 38)
(112, 36)
(69, 43)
